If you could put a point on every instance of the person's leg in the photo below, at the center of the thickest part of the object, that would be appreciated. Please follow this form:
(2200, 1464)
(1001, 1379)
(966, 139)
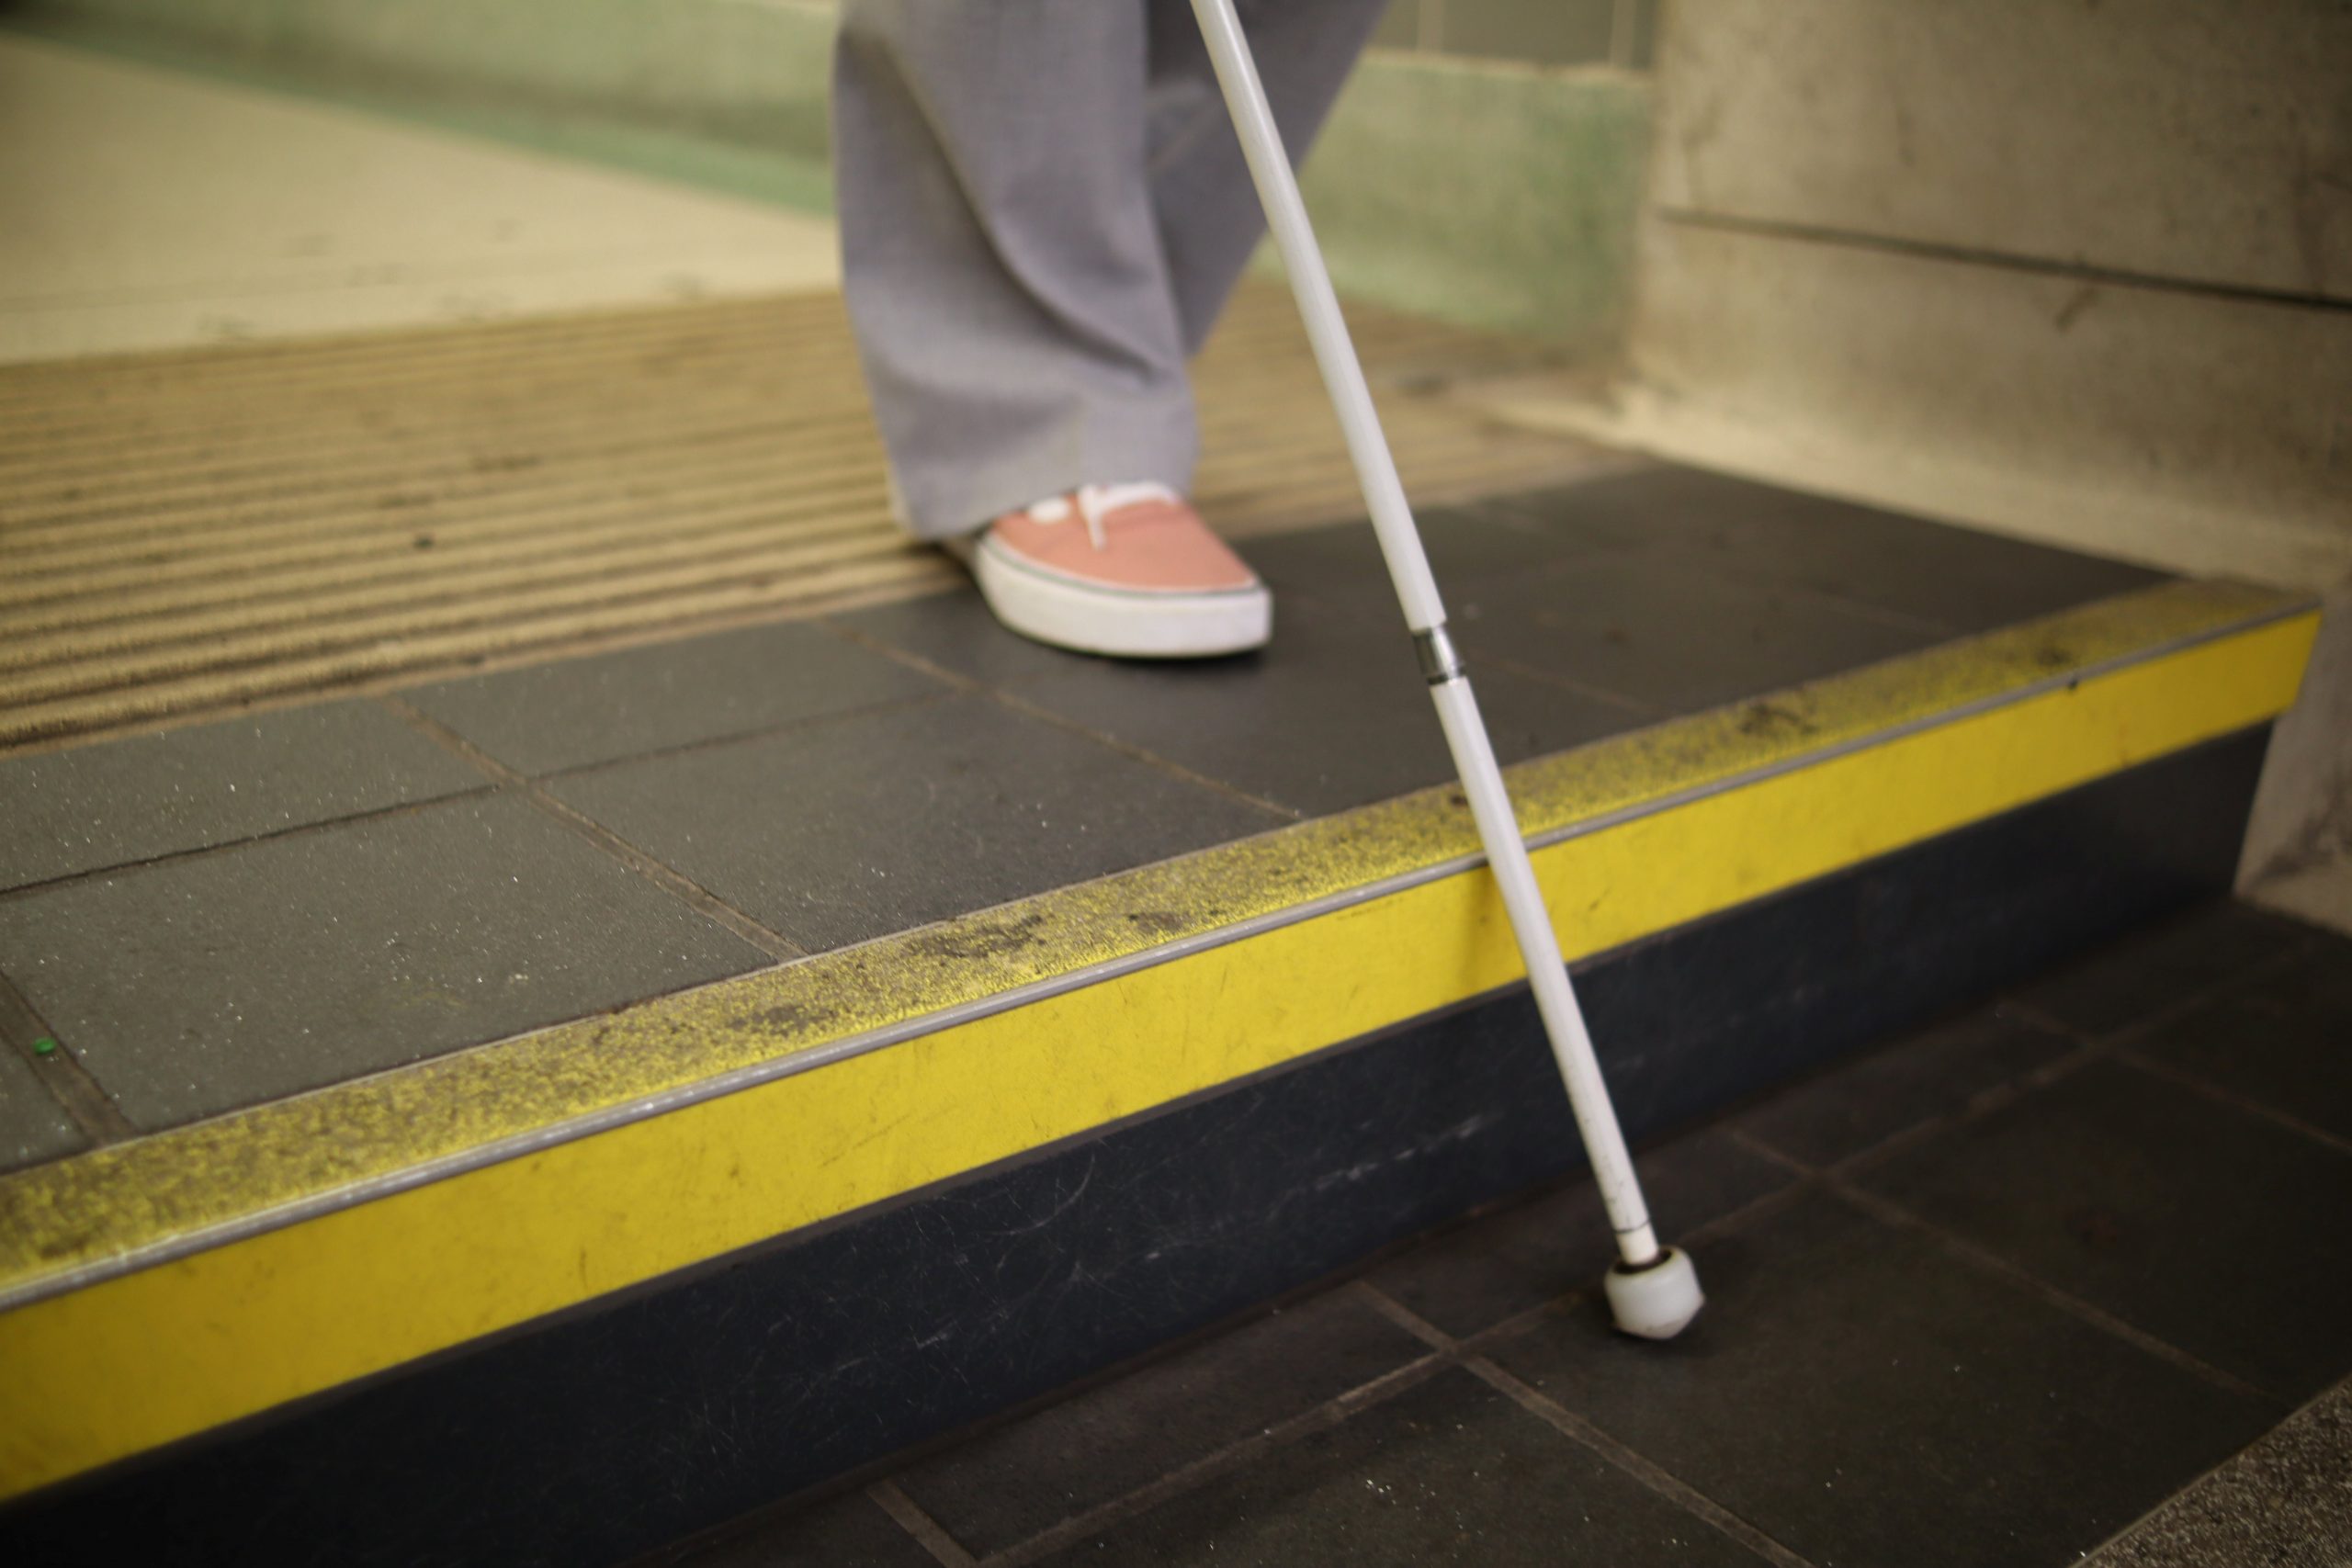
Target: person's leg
(1002, 257)
(1207, 211)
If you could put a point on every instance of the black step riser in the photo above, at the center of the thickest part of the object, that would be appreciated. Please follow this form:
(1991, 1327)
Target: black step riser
(608, 1431)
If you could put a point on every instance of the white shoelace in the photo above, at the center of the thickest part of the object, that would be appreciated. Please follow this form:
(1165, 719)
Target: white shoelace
(1097, 501)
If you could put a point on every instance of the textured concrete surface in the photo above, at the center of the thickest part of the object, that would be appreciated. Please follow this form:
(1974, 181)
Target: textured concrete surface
(2284, 1503)
(2168, 426)
(2074, 271)
(2163, 137)
(149, 210)
(2321, 894)
(2302, 815)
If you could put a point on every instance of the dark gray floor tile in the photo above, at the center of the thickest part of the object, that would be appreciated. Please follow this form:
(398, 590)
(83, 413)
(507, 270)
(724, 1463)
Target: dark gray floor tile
(1335, 714)
(2283, 1041)
(545, 717)
(2207, 1226)
(1342, 562)
(33, 1125)
(1009, 1485)
(109, 805)
(1895, 1088)
(2284, 1503)
(1472, 1278)
(2134, 980)
(955, 631)
(880, 822)
(1863, 1398)
(1660, 632)
(850, 1531)
(1715, 526)
(201, 984)
(1338, 566)
(1451, 1471)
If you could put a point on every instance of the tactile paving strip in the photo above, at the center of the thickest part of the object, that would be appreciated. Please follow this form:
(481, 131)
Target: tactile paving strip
(191, 532)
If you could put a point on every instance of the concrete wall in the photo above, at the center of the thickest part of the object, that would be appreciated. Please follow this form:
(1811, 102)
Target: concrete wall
(1549, 32)
(2178, 139)
(2078, 270)
(2061, 266)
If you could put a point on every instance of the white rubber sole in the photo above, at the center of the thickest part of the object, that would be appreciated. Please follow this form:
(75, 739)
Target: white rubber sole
(1120, 623)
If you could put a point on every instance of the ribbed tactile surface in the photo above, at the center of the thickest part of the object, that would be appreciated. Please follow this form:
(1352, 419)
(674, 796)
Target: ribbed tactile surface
(188, 532)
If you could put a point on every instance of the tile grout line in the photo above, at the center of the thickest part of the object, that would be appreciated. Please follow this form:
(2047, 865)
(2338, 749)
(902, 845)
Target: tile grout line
(62, 1074)
(1468, 1351)
(1985, 1260)
(603, 839)
(1134, 753)
(1992, 1262)
(227, 846)
(1648, 1472)
(688, 624)
(763, 732)
(1209, 1467)
(2088, 1050)
(1022, 706)
(2214, 1092)
(1499, 508)
(910, 1516)
(1477, 658)
(1982, 1103)
(1644, 1470)
(1807, 1180)
(2122, 1045)
(2170, 1012)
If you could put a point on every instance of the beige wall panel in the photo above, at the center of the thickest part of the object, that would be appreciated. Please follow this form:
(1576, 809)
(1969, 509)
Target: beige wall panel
(2196, 140)
(2199, 433)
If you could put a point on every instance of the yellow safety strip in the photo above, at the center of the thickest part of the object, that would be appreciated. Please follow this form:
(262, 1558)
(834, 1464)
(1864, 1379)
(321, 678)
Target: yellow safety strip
(1647, 832)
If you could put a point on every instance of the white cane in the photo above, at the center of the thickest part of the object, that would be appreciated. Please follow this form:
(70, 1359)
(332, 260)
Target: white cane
(1653, 1290)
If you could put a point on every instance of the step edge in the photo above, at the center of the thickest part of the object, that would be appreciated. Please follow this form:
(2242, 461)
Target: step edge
(58, 1236)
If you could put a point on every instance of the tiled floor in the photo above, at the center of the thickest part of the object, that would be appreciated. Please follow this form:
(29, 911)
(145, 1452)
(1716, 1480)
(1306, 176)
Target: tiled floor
(229, 913)
(1993, 1293)
(197, 984)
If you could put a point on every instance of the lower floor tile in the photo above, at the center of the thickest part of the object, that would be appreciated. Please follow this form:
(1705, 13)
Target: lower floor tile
(1863, 1398)
(1451, 1471)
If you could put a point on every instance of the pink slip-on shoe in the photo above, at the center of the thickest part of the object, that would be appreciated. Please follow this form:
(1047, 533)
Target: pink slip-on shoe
(1127, 569)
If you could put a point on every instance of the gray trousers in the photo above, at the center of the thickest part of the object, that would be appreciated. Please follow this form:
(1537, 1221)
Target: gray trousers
(1043, 209)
